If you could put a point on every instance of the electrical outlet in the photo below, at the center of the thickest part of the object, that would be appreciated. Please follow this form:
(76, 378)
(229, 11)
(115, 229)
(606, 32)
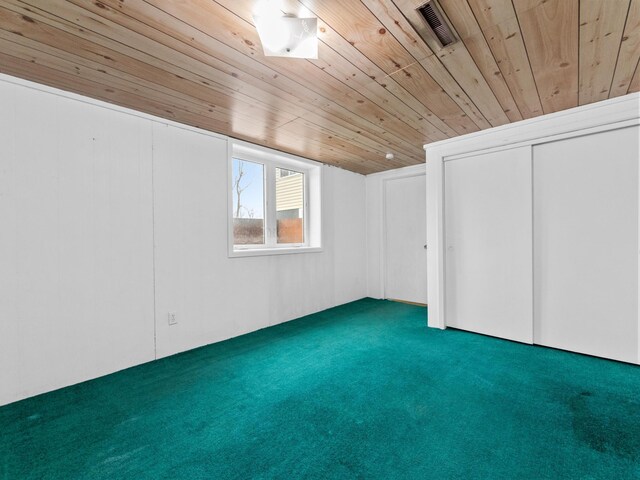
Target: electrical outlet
(172, 318)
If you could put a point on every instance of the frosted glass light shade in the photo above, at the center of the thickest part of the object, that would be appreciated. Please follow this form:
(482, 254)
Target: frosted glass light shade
(288, 36)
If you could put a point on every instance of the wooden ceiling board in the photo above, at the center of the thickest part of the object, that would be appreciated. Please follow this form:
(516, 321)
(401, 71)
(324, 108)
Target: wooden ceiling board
(456, 61)
(31, 51)
(601, 27)
(37, 73)
(464, 22)
(399, 26)
(335, 42)
(355, 22)
(550, 31)
(381, 83)
(191, 88)
(629, 54)
(42, 32)
(323, 88)
(363, 113)
(357, 72)
(308, 103)
(499, 24)
(323, 102)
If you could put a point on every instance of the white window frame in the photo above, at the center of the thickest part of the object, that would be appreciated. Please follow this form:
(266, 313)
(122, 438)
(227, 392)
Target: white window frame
(312, 216)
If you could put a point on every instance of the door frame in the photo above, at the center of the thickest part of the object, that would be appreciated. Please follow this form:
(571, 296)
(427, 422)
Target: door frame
(383, 240)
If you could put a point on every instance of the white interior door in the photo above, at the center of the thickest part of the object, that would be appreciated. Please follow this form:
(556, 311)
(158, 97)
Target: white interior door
(586, 244)
(488, 242)
(406, 235)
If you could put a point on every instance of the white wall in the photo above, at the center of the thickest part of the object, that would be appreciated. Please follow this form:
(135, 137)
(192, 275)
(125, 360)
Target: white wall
(76, 263)
(86, 189)
(375, 225)
(216, 297)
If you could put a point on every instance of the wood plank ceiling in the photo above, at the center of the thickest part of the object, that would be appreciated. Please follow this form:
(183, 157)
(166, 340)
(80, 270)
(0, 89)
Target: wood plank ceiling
(381, 84)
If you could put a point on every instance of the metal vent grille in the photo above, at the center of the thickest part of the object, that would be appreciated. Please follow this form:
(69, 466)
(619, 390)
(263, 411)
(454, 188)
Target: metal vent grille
(434, 19)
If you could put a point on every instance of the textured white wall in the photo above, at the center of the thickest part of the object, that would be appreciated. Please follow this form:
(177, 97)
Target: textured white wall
(81, 186)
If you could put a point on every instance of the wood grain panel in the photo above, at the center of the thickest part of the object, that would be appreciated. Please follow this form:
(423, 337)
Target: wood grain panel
(324, 84)
(550, 31)
(399, 26)
(453, 62)
(490, 13)
(499, 24)
(245, 126)
(365, 32)
(239, 34)
(356, 71)
(180, 75)
(381, 83)
(463, 21)
(32, 51)
(601, 27)
(629, 54)
(246, 69)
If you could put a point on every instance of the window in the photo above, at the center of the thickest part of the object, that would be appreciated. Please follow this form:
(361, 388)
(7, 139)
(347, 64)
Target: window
(248, 202)
(289, 206)
(274, 202)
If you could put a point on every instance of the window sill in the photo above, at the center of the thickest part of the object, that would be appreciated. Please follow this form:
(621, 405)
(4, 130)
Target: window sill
(259, 252)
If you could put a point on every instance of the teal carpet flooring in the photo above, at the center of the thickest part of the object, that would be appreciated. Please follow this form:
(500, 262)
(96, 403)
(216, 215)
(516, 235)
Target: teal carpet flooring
(360, 391)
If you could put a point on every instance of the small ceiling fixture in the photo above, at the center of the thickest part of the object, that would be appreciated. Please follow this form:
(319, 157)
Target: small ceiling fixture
(389, 156)
(284, 35)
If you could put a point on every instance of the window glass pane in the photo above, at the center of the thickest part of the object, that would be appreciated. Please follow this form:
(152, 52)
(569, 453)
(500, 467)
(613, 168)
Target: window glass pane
(290, 206)
(247, 186)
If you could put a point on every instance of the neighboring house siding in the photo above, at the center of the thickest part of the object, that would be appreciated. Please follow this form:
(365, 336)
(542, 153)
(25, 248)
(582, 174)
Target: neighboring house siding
(289, 192)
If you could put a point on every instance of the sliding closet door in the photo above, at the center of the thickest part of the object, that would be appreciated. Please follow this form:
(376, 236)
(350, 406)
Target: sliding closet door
(488, 240)
(586, 244)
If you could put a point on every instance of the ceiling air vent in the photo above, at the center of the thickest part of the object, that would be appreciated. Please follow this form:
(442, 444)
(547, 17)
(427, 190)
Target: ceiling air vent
(435, 20)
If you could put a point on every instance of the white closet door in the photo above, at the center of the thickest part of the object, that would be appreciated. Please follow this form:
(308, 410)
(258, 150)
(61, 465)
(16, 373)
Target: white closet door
(488, 241)
(406, 236)
(586, 244)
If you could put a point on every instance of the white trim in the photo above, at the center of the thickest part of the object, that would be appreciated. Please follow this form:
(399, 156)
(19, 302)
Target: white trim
(543, 140)
(435, 242)
(409, 171)
(575, 119)
(612, 114)
(259, 152)
(260, 252)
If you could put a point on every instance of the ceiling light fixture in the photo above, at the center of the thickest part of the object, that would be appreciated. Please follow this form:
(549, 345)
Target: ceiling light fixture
(284, 35)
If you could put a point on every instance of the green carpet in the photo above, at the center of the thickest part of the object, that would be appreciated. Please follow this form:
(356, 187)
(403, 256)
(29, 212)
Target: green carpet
(364, 390)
